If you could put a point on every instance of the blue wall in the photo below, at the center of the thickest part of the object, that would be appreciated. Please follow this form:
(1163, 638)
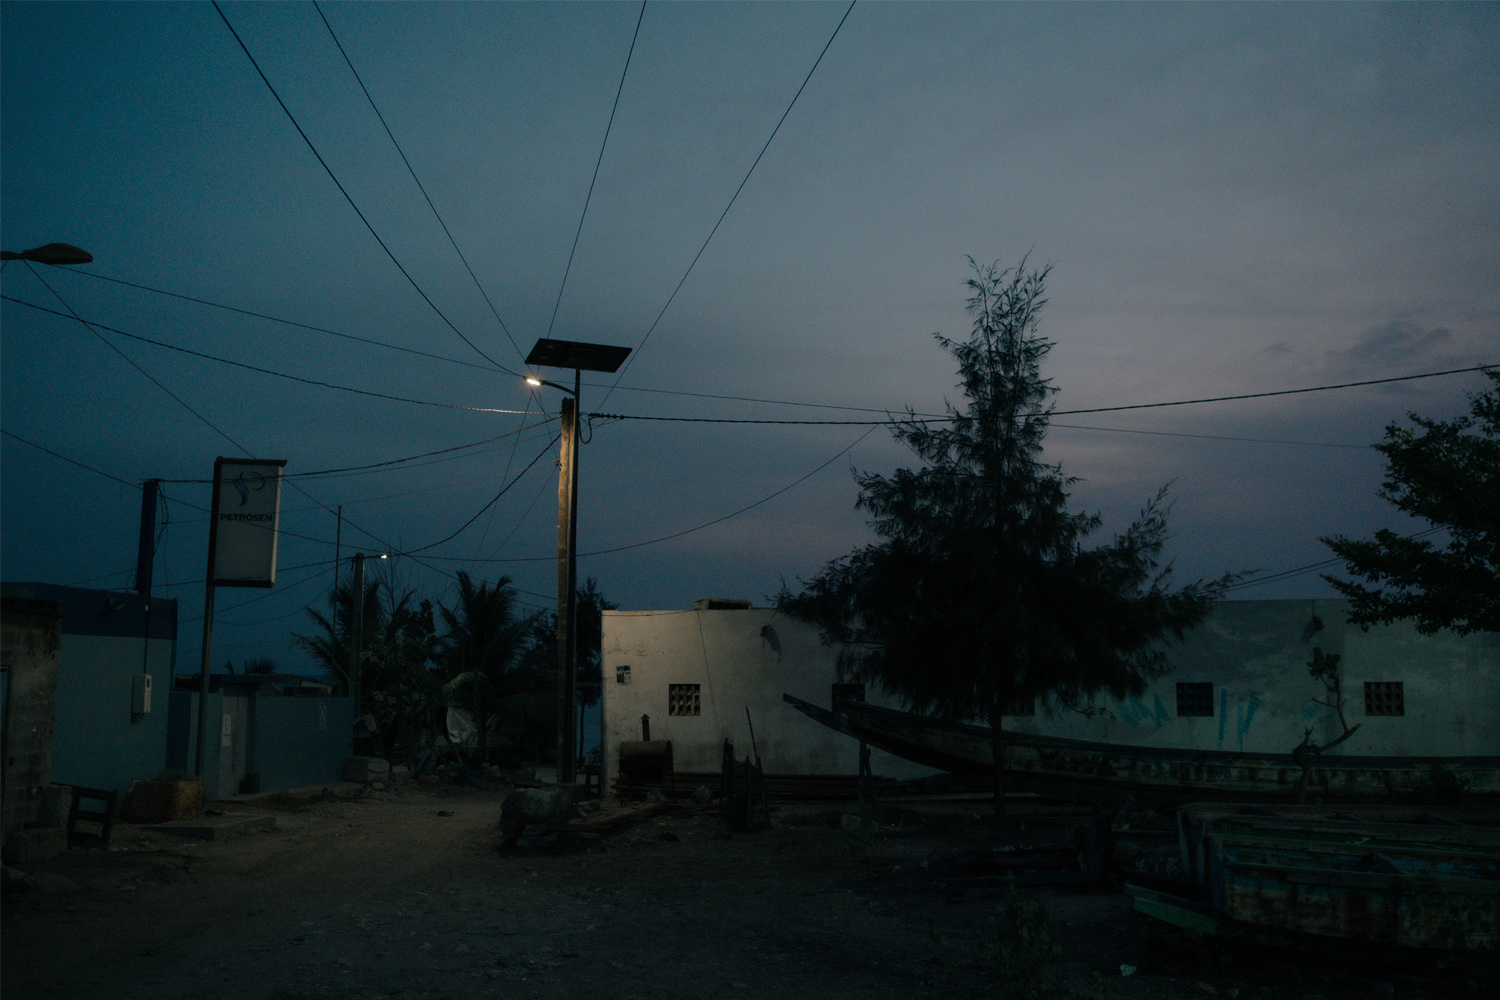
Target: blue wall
(292, 741)
(300, 741)
(97, 742)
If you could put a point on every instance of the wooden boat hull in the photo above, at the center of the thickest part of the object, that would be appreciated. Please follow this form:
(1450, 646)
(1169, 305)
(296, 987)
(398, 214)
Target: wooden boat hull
(1429, 880)
(1163, 776)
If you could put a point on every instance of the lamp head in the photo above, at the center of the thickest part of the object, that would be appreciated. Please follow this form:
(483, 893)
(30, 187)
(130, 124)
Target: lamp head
(533, 380)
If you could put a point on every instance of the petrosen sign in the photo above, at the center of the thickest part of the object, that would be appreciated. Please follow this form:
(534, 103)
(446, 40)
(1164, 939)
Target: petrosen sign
(242, 534)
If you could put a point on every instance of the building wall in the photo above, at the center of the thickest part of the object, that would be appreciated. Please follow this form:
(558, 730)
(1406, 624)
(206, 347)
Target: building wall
(299, 741)
(289, 741)
(739, 659)
(1253, 653)
(30, 641)
(99, 742)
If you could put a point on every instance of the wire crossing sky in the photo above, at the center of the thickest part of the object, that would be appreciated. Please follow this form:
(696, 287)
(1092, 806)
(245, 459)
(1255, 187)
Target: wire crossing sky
(772, 203)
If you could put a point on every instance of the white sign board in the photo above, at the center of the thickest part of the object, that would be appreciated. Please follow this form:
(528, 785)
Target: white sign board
(246, 509)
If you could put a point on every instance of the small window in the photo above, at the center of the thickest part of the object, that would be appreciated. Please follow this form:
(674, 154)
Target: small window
(1019, 706)
(1195, 698)
(1384, 698)
(682, 699)
(848, 692)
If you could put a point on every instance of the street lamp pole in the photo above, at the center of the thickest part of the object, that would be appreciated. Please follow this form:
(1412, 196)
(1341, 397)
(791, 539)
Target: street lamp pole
(567, 581)
(577, 356)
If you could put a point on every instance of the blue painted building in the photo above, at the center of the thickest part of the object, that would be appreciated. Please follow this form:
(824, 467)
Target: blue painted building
(114, 673)
(120, 718)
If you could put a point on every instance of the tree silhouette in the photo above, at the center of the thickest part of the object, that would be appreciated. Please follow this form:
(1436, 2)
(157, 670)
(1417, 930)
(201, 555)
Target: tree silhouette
(981, 592)
(1446, 472)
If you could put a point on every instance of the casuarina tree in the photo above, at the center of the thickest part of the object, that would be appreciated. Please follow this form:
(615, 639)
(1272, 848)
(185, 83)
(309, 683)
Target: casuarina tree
(1446, 472)
(982, 592)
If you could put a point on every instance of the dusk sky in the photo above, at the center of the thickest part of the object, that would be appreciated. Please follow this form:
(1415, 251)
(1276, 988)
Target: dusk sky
(1232, 198)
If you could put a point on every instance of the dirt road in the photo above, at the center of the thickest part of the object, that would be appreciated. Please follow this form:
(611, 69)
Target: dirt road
(406, 893)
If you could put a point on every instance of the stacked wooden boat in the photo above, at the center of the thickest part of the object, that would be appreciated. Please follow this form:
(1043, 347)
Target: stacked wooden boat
(1410, 876)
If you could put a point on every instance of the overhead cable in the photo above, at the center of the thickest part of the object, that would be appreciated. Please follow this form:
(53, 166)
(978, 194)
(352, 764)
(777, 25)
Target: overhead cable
(294, 484)
(600, 159)
(1054, 413)
(293, 118)
(387, 462)
(71, 461)
(687, 531)
(104, 340)
(269, 371)
(654, 323)
(286, 322)
(1311, 567)
(420, 187)
(1213, 437)
(503, 490)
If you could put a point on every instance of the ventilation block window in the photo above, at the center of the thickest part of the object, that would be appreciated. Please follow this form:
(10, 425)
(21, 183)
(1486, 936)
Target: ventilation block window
(1195, 698)
(682, 699)
(1019, 706)
(1384, 698)
(848, 692)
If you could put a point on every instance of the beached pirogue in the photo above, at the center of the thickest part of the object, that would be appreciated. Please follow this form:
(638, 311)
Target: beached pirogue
(1160, 776)
(1391, 871)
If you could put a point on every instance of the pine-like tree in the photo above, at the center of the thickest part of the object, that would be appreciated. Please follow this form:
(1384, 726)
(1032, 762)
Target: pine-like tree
(981, 593)
(1446, 472)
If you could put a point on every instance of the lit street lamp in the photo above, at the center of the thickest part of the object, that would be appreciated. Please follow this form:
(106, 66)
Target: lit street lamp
(579, 357)
(56, 254)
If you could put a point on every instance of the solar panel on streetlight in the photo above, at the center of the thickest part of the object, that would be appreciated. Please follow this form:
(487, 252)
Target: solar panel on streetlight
(576, 355)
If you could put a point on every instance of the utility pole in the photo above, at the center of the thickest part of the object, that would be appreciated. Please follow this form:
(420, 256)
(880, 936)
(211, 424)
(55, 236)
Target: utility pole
(580, 357)
(146, 551)
(145, 559)
(356, 633)
(567, 582)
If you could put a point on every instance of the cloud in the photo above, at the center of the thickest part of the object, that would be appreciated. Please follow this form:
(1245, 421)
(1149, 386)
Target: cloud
(1278, 348)
(1395, 342)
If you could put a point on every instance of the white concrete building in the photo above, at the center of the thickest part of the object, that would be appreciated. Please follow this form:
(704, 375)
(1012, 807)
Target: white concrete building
(1239, 683)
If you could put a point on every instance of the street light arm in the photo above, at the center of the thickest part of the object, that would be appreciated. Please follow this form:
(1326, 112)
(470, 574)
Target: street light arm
(535, 382)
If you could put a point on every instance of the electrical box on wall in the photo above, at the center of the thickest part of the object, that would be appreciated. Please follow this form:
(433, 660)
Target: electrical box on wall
(140, 694)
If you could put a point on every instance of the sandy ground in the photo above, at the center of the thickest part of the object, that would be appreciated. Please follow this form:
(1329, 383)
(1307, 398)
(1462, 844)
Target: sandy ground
(408, 893)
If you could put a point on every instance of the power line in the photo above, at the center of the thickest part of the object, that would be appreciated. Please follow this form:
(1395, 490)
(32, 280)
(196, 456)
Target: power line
(287, 322)
(510, 460)
(503, 490)
(393, 461)
(688, 531)
(72, 461)
(1213, 437)
(1279, 392)
(1309, 568)
(414, 177)
(265, 371)
(1054, 413)
(210, 424)
(340, 186)
(589, 197)
(654, 323)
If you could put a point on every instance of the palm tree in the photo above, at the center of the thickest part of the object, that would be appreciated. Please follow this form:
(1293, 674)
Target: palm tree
(483, 636)
(329, 644)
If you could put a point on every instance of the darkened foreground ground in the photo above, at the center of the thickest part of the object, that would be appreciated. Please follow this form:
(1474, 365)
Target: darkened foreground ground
(406, 893)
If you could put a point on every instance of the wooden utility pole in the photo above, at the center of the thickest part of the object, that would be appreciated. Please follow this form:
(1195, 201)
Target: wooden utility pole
(356, 633)
(580, 357)
(567, 583)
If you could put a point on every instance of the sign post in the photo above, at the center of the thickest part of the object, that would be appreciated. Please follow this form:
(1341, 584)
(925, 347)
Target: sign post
(241, 552)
